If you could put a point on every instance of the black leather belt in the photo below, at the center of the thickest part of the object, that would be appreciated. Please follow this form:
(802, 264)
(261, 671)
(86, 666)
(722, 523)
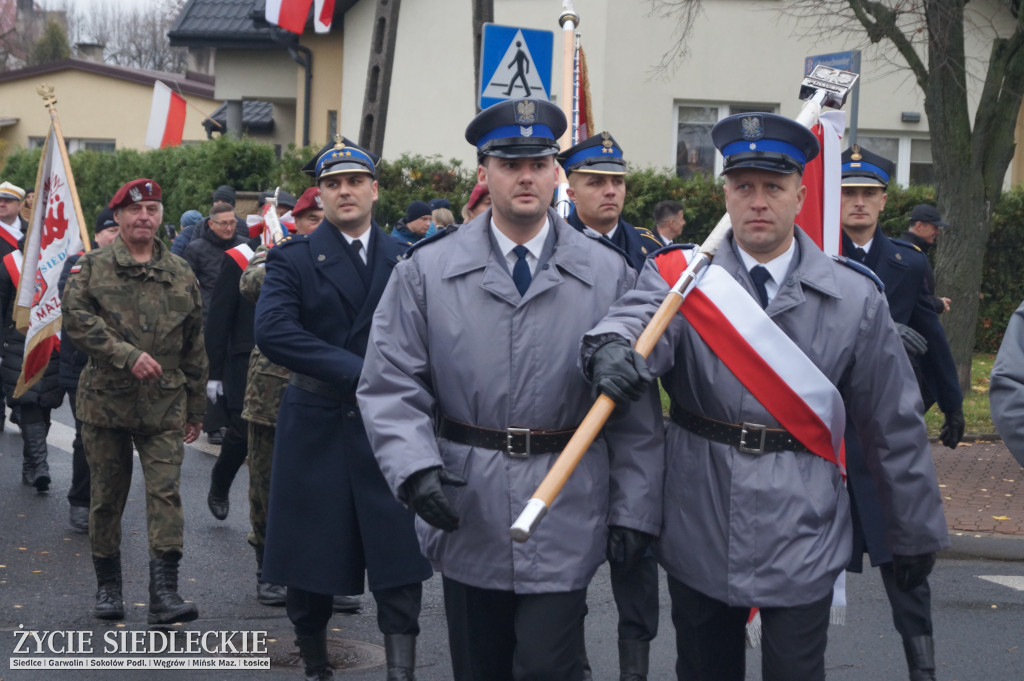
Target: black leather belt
(321, 388)
(518, 442)
(749, 438)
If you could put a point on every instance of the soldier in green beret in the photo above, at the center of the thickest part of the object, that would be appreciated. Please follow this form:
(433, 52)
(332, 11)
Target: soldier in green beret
(135, 309)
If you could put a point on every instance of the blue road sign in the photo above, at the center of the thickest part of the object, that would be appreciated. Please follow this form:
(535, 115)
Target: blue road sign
(847, 61)
(515, 63)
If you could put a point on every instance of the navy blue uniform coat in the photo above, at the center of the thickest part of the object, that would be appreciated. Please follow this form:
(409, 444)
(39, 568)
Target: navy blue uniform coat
(331, 513)
(902, 268)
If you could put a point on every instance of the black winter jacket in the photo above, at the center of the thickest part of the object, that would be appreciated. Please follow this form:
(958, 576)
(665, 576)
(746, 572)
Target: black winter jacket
(205, 254)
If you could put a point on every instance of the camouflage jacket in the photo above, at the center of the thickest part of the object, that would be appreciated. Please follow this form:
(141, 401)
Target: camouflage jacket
(114, 310)
(265, 381)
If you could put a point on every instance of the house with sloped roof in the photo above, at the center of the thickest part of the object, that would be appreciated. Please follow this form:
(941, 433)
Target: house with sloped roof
(102, 107)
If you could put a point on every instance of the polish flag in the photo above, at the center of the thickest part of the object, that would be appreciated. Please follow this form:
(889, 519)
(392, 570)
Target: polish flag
(166, 118)
(290, 15)
(820, 216)
(323, 13)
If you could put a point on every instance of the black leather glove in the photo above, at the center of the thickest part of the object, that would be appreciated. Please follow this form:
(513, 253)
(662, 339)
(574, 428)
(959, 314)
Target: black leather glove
(618, 371)
(627, 546)
(912, 340)
(425, 494)
(911, 571)
(953, 429)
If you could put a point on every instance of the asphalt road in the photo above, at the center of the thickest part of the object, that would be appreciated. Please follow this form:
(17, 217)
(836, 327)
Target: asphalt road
(47, 583)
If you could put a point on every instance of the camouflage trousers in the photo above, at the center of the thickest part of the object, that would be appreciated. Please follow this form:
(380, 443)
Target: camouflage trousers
(109, 453)
(261, 454)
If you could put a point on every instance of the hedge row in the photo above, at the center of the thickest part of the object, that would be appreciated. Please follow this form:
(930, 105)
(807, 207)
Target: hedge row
(189, 174)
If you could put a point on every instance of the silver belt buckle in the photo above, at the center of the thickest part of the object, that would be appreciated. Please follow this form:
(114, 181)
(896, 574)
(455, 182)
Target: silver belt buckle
(512, 432)
(747, 429)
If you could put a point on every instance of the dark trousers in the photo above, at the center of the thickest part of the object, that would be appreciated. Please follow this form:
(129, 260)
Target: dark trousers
(710, 638)
(78, 495)
(232, 452)
(911, 610)
(636, 598)
(398, 610)
(216, 416)
(503, 636)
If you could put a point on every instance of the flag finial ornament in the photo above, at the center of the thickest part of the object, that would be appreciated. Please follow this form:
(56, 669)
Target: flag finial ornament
(47, 93)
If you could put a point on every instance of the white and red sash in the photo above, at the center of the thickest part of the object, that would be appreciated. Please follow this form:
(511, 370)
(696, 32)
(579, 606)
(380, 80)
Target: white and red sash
(240, 255)
(12, 263)
(764, 359)
(7, 235)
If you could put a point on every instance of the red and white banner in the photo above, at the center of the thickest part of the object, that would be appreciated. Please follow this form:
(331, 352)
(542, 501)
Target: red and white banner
(820, 216)
(323, 13)
(764, 359)
(290, 15)
(54, 232)
(166, 118)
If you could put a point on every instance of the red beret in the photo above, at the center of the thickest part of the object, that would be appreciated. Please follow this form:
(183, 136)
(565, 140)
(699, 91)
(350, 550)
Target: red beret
(142, 189)
(479, 192)
(309, 200)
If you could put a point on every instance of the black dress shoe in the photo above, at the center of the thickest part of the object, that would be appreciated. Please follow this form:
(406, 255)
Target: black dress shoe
(215, 438)
(78, 517)
(219, 506)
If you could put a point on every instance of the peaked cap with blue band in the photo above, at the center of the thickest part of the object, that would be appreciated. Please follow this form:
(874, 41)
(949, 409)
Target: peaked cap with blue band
(344, 156)
(862, 168)
(597, 154)
(517, 128)
(765, 141)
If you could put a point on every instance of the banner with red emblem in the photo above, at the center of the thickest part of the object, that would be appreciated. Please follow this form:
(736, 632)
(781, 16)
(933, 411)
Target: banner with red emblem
(55, 230)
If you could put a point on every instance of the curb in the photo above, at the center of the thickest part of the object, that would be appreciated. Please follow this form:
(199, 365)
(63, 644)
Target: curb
(988, 546)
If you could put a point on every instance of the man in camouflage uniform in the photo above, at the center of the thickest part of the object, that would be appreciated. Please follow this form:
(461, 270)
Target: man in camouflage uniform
(135, 309)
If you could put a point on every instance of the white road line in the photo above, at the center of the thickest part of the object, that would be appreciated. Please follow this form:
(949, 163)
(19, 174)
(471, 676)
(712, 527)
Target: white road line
(1013, 582)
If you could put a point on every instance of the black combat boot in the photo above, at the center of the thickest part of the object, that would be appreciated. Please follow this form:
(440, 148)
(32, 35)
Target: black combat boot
(920, 652)
(313, 649)
(109, 603)
(400, 654)
(266, 593)
(165, 605)
(35, 471)
(634, 657)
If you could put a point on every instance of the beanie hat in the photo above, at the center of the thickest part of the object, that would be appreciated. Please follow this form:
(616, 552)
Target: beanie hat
(190, 217)
(416, 210)
(224, 193)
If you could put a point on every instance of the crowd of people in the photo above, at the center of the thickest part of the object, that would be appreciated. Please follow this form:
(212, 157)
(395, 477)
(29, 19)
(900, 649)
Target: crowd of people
(399, 397)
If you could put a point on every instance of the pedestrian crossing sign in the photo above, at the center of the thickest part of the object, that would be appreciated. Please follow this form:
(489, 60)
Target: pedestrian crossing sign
(515, 63)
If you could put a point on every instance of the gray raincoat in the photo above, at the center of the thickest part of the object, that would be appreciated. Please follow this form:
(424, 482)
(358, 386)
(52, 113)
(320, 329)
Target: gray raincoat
(774, 529)
(452, 336)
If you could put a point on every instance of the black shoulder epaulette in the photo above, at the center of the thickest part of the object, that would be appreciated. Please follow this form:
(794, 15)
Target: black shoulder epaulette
(290, 240)
(859, 267)
(433, 238)
(670, 247)
(647, 234)
(906, 244)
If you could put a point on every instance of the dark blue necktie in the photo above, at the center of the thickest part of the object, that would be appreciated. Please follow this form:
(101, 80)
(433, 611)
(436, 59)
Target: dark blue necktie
(759, 275)
(521, 272)
(859, 254)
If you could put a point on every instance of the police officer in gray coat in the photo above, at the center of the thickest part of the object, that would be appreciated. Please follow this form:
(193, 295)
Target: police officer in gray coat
(471, 388)
(756, 513)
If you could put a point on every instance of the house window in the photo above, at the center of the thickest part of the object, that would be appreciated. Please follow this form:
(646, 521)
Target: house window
(921, 169)
(695, 153)
(74, 144)
(332, 124)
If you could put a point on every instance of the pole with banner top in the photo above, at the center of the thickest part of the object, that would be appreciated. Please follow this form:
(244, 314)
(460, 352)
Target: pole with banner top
(568, 20)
